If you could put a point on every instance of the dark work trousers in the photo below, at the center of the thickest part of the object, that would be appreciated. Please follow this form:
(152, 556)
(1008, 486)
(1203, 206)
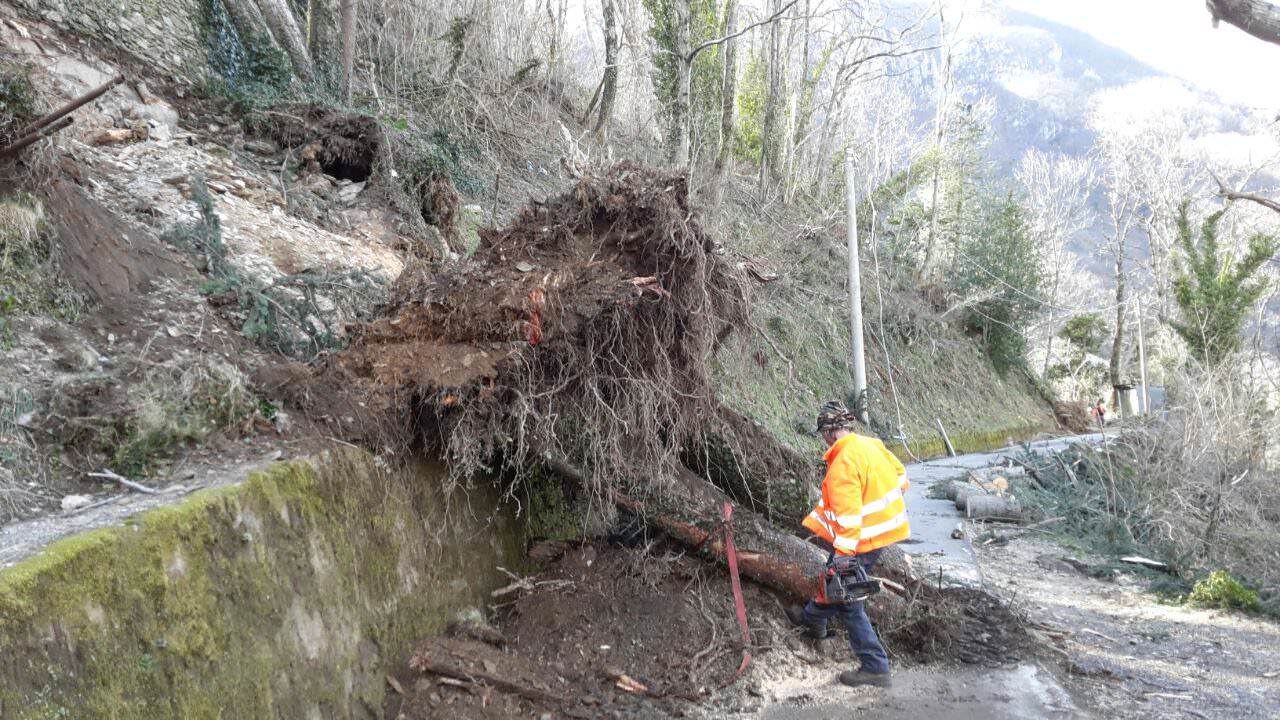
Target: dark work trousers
(862, 637)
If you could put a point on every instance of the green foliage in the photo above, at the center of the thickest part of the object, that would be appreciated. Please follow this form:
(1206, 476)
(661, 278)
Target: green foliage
(18, 102)
(752, 94)
(251, 73)
(707, 67)
(1085, 333)
(8, 303)
(1099, 496)
(297, 315)
(1002, 265)
(964, 178)
(1213, 291)
(438, 153)
(1221, 591)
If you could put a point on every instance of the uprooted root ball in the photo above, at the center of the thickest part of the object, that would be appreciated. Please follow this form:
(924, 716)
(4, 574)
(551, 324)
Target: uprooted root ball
(582, 331)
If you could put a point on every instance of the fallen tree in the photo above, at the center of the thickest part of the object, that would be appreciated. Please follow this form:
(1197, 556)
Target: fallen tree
(578, 339)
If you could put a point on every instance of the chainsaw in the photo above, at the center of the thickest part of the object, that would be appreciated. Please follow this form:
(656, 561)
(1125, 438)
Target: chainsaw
(845, 581)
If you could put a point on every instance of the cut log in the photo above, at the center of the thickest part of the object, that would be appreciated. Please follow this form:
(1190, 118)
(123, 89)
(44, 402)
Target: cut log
(955, 486)
(990, 507)
(964, 493)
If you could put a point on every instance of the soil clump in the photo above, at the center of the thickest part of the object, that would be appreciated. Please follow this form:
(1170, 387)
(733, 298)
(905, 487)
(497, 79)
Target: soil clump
(645, 632)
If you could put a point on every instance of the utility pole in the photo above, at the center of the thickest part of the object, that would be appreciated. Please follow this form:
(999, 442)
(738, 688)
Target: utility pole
(1142, 361)
(855, 290)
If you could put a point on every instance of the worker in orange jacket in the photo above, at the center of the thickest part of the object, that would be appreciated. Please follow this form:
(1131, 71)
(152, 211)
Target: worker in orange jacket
(860, 513)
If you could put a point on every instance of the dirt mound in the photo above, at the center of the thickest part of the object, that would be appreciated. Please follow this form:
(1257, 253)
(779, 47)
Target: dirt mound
(971, 626)
(100, 254)
(343, 145)
(1073, 416)
(599, 613)
(582, 331)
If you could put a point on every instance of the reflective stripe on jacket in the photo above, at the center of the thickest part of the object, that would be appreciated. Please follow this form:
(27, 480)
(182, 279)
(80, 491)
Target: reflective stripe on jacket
(861, 508)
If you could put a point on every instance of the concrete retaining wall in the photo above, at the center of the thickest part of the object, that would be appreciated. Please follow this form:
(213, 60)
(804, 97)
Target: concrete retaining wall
(291, 595)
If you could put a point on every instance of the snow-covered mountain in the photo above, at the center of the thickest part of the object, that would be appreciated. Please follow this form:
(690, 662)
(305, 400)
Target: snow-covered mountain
(1046, 78)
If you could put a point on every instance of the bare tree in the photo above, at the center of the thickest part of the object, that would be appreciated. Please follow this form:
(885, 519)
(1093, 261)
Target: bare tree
(609, 84)
(681, 114)
(285, 29)
(769, 156)
(1117, 153)
(945, 51)
(728, 107)
(348, 30)
(1057, 189)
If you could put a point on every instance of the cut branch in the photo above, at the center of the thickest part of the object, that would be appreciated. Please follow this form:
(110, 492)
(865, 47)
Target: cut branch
(424, 664)
(108, 475)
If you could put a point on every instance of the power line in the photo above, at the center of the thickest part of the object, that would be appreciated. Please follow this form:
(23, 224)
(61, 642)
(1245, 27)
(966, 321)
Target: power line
(1020, 291)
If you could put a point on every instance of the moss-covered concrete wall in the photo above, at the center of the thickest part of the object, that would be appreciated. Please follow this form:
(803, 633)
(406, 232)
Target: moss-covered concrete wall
(289, 596)
(164, 33)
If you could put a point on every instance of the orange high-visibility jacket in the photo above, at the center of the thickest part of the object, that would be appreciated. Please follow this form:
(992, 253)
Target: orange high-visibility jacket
(861, 507)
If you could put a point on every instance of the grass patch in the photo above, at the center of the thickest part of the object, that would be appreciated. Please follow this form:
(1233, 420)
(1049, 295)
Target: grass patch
(30, 281)
(175, 406)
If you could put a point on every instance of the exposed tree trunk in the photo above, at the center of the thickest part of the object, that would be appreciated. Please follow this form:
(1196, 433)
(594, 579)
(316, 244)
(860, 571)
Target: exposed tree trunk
(728, 108)
(1117, 344)
(681, 116)
(248, 22)
(1259, 18)
(348, 30)
(1053, 296)
(591, 105)
(769, 156)
(609, 86)
(285, 29)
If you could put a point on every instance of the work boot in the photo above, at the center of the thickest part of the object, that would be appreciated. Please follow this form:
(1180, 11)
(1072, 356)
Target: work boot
(859, 678)
(795, 614)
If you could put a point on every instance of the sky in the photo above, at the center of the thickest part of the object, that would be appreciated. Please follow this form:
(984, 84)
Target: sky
(1178, 38)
